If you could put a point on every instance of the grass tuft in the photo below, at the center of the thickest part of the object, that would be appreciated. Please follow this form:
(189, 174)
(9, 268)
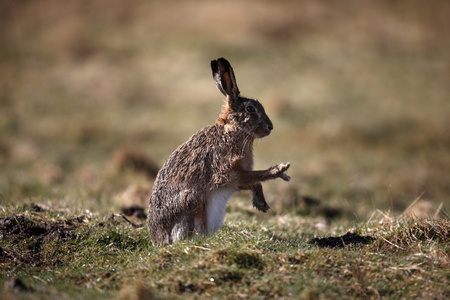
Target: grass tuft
(409, 234)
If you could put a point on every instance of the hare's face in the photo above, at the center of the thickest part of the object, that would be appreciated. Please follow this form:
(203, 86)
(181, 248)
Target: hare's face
(252, 118)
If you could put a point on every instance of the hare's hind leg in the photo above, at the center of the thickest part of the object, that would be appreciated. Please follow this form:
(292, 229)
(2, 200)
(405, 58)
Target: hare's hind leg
(181, 229)
(163, 236)
(158, 235)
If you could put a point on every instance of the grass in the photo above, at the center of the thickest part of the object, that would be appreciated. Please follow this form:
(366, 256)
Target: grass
(95, 96)
(76, 256)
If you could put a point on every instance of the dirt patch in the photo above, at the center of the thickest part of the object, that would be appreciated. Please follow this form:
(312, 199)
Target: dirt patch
(342, 241)
(17, 285)
(133, 210)
(26, 239)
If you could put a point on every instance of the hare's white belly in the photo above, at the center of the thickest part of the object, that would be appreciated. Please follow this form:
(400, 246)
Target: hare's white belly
(215, 212)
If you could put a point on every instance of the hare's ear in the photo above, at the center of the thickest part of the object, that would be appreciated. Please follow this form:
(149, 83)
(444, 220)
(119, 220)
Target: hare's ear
(224, 77)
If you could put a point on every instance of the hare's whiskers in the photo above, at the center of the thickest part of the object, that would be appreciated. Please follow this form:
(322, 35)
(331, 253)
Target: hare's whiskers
(246, 140)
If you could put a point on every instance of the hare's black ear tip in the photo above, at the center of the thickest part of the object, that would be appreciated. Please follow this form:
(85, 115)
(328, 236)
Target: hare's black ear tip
(214, 64)
(220, 60)
(223, 61)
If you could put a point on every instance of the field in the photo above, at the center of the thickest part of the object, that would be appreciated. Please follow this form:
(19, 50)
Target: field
(94, 96)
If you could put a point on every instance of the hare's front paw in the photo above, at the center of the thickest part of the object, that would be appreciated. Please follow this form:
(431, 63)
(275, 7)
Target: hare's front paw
(279, 171)
(258, 199)
(264, 207)
(260, 203)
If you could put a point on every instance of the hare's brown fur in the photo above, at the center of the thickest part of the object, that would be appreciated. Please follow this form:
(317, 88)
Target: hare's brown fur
(192, 188)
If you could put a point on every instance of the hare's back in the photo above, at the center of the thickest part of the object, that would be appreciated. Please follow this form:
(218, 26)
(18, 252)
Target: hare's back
(193, 161)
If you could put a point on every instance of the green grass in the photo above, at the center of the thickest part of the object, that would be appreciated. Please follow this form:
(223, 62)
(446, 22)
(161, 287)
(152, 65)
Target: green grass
(81, 255)
(358, 93)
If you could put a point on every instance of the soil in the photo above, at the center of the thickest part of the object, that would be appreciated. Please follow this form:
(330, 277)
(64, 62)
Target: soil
(134, 210)
(30, 237)
(17, 285)
(342, 241)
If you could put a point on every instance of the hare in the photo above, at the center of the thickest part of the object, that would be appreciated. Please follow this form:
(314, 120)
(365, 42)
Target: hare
(192, 189)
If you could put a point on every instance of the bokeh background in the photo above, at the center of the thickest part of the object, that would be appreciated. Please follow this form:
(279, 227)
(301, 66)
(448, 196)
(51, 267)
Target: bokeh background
(94, 95)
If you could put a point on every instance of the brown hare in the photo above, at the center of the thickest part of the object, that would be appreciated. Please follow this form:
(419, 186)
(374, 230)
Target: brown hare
(192, 189)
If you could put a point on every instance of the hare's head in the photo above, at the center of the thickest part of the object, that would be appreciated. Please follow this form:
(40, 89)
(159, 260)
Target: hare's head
(245, 113)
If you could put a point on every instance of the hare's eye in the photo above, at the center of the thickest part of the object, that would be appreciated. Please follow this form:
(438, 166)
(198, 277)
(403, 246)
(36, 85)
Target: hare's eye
(250, 109)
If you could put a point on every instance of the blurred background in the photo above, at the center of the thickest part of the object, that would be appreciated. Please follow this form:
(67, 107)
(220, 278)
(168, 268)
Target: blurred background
(95, 95)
